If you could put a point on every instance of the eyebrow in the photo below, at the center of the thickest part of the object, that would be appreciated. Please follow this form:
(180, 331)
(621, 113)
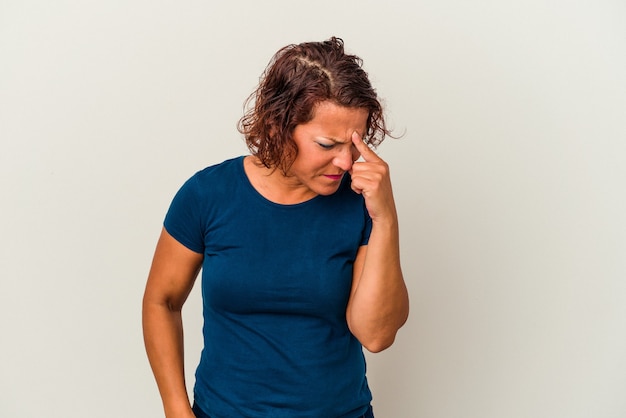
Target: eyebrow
(335, 140)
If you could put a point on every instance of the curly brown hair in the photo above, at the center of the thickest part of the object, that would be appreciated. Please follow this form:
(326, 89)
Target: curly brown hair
(297, 78)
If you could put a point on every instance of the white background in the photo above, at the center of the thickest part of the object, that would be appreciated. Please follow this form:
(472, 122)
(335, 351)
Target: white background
(510, 181)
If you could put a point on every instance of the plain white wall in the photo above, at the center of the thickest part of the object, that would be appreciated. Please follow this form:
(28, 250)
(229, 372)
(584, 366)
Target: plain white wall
(510, 182)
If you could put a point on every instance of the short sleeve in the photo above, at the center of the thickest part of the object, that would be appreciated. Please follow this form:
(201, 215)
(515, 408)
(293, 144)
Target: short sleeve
(183, 220)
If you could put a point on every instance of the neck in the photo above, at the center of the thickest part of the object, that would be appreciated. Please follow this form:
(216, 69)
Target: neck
(274, 185)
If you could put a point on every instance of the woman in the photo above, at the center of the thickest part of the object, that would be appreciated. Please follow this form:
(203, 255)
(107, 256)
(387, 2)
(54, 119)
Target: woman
(298, 244)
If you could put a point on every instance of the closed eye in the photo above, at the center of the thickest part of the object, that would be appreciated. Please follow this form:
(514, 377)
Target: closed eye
(326, 146)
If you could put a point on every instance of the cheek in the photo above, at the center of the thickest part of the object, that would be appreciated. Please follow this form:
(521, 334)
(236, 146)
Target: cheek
(313, 160)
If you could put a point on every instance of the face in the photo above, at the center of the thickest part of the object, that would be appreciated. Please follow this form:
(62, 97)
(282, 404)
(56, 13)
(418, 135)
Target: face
(325, 149)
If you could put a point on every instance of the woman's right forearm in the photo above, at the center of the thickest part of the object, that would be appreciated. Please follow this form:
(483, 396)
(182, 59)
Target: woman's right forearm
(163, 337)
(172, 274)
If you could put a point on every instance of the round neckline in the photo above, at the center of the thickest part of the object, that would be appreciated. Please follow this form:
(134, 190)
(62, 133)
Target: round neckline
(260, 196)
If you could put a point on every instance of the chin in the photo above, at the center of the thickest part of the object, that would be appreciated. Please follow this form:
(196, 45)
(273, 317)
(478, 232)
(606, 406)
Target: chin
(326, 191)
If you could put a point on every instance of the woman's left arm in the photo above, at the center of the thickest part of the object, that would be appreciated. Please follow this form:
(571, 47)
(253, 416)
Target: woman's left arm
(379, 302)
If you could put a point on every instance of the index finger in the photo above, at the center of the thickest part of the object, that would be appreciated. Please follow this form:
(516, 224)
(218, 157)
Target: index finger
(366, 152)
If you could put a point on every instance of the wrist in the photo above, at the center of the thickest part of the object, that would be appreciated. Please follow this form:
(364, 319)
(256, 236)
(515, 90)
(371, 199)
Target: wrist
(179, 410)
(390, 222)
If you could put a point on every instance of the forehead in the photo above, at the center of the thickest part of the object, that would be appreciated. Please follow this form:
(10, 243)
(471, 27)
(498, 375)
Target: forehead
(332, 116)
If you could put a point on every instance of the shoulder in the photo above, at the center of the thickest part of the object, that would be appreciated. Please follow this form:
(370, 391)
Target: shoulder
(209, 183)
(199, 199)
(217, 176)
(228, 167)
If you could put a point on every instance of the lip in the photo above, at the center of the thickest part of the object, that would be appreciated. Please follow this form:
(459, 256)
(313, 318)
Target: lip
(333, 177)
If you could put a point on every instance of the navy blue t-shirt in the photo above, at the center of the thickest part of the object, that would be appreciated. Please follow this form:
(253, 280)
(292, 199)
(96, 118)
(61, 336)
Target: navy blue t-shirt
(275, 285)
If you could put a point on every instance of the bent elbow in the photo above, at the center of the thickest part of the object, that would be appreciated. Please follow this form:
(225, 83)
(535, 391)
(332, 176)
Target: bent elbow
(378, 345)
(377, 337)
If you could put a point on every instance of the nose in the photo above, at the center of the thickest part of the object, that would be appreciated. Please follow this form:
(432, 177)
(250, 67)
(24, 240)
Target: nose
(345, 158)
